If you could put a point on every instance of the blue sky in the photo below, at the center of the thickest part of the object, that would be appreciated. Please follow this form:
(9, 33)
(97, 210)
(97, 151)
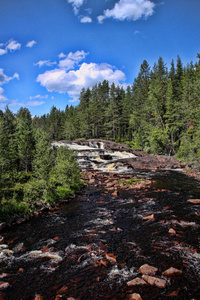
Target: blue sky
(50, 49)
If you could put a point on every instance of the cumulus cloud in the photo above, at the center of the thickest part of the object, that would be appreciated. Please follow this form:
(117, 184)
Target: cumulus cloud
(62, 55)
(86, 19)
(72, 82)
(131, 10)
(11, 46)
(31, 44)
(42, 63)
(35, 103)
(5, 79)
(76, 4)
(72, 59)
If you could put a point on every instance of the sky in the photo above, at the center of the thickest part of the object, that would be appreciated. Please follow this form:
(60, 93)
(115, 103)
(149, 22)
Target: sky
(51, 49)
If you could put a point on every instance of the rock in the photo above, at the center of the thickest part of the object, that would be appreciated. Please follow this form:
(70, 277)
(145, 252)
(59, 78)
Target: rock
(38, 297)
(172, 231)
(115, 193)
(111, 259)
(172, 272)
(137, 282)
(110, 184)
(154, 281)
(135, 297)
(194, 201)
(21, 270)
(148, 270)
(4, 285)
(92, 181)
(151, 218)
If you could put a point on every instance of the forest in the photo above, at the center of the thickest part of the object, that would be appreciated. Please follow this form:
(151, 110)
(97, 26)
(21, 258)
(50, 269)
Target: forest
(159, 113)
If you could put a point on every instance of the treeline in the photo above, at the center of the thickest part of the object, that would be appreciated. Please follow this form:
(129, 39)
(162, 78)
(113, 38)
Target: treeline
(159, 113)
(32, 173)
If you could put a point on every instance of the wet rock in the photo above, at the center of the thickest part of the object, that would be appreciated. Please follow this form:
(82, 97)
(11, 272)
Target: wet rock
(154, 281)
(135, 297)
(112, 260)
(194, 201)
(150, 218)
(137, 282)
(4, 285)
(38, 297)
(172, 272)
(148, 270)
(172, 231)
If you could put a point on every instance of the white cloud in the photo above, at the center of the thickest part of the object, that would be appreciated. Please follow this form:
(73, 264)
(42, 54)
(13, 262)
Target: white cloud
(42, 63)
(76, 5)
(136, 32)
(5, 79)
(3, 98)
(13, 45)
(85, 20)
(61, 55)
(38, 97)
(31, 44)
(72, 82)
(3, 51)
(131, 10)
(72, 59)
(35, 103)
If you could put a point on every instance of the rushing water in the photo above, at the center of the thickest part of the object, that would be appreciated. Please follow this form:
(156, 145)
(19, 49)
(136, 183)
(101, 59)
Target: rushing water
(92, 246)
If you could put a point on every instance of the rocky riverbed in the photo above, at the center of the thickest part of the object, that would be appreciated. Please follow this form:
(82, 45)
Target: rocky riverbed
(133, 233)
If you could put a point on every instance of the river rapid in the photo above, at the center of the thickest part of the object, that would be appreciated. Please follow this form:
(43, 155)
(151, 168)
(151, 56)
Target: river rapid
(93, 246)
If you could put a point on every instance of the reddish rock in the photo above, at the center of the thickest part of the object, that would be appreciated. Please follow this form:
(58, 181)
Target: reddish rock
(151, 218)
(112, 260)
(172, 272)
(38, 297)
(4, 285)
(21, 270)
(154, 281)
(92, 181)
(137, 282)
(194, 201)
(172, 231)
(115, 193)
(110, 184)
(148, 270)
(135, 297)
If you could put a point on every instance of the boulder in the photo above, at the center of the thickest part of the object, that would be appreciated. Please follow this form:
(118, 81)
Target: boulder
(4, 285)
(194, 201)
(154, 281)
(172, 231)
(137, 282)
(150, 218)
(172, 272)
(135, 297)
(148, 270)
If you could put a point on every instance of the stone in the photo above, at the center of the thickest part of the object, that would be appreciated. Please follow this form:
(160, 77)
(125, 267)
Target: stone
(148, 270)
(172, 231)
(112, 260)
(115, 193)
(135, 297)
(110, 184)
(154, 281)
(150, 218)
(194, 201)
(137, 282)
(92, 181)
(4, 285)
(38, 297)
(172, 272)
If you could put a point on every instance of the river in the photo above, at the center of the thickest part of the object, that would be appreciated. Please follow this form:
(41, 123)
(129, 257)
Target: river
(93, 246)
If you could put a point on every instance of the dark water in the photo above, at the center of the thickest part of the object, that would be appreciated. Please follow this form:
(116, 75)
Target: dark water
(62, 254)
